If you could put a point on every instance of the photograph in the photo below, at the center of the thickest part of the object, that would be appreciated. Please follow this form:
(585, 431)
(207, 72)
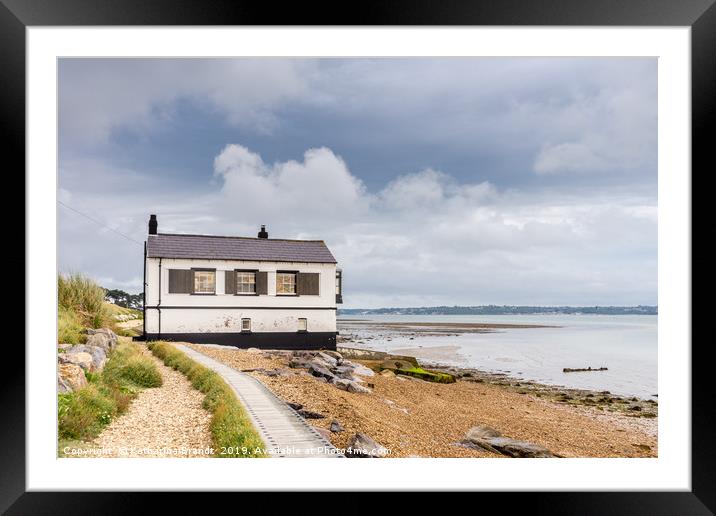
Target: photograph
(357, 257)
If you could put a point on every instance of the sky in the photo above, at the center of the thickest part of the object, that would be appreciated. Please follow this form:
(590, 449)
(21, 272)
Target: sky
(434, 181)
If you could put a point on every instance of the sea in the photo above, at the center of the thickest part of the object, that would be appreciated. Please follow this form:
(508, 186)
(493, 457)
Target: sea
(627, 345)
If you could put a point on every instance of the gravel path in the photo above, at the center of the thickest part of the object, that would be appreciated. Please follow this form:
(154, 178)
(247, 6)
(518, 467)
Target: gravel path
(166, 421)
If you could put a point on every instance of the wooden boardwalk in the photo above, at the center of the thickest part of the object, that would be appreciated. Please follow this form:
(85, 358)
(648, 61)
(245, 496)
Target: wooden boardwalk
(283, 430)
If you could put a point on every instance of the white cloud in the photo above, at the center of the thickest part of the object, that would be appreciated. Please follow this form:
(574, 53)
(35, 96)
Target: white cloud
(423, 239)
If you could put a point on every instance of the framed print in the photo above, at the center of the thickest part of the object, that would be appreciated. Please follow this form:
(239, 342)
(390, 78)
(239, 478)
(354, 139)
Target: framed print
(454, 242)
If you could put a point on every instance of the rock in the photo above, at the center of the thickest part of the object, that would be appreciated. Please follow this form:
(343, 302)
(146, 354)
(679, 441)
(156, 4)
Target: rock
(334, 354)
(320, 371)
(328, 359)
(324, 433)
(63, 385)
(253, 350)
(298, 363)
(82, 359)
(478, 433)
(336, 427)
(350, 386)
(362, 446)
(362, 370)
(515, 448)
(490, 439)
(100, 340)
(99, 355)
(64, 346)
(344, 371)
(104, 331)
(72, 375)
(358, 388)
(387, 373)
(294, 406)
(308, 414)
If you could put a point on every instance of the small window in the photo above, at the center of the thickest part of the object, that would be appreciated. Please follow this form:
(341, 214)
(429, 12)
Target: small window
(204, 282)
(339, 277)
(285, 283)
(245, 324)
(245, 282)
(302, 324)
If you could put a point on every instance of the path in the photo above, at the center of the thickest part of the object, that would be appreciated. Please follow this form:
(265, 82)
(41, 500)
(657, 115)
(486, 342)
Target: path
(280, 427)
(166, 421)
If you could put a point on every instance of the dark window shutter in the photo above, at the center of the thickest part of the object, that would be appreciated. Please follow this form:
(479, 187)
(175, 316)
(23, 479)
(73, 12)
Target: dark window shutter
(307, 283)
(262, 283)
(181, 281)
(230, 282)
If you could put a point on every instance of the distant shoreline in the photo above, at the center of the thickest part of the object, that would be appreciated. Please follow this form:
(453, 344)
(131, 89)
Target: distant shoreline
(505, 310)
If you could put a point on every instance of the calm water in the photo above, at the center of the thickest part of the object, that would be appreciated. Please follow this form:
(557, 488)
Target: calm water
(626, 344)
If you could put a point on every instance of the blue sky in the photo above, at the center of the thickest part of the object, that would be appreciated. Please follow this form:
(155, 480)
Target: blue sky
(434, 181)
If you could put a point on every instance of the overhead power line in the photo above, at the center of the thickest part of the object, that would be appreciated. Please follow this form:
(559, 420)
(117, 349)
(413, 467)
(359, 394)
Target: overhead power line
(100, 223)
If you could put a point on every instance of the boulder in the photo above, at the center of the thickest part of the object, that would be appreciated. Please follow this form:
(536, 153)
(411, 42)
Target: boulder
(362, 370)
(64, 347)
(80, 358)
(299, 363)
(253, 350)
(490, 439)
(387, 373)
(72, 376)
(334, 354)
(336, 427)
(358, 388)
(99, 355)
(100, 340)
(320, 371)
(362, 446)
(328, 359)
(344, 371)
(63, 385)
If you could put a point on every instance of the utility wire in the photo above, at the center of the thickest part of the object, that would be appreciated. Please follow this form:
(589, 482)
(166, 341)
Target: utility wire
(99, 223)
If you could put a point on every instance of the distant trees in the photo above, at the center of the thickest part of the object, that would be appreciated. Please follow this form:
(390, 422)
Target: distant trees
(122, 298)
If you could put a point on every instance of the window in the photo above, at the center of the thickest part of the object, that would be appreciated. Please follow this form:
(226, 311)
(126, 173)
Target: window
(204, 282)
(245, 282)
(285, 283)
(339, 286)
(302, 324)
(245, 324)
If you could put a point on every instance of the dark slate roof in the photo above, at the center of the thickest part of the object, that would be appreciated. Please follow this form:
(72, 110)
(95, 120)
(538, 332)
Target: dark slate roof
(210, 247)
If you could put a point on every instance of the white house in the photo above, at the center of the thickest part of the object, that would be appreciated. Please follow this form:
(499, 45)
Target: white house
(246, 292)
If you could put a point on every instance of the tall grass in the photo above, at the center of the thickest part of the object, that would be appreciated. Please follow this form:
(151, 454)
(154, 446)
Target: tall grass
(81, 295)
(84, 413)
(231, 429)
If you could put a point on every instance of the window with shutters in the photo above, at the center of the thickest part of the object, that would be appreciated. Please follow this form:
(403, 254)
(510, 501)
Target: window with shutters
(246, 282)
(286, 283)
(204, 282)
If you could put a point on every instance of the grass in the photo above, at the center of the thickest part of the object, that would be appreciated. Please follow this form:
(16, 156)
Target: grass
(83, 414)
(423, 374)
(69, 327)
(231, 429)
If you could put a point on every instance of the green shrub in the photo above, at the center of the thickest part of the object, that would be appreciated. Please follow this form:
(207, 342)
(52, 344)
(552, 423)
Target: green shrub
(83, 297)
(83, 414)
(231, 428)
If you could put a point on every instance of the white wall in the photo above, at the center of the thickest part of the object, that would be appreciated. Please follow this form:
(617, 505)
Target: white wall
(280, 314)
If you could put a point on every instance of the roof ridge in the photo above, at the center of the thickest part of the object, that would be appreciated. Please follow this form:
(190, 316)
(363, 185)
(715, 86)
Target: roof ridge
(239, 237)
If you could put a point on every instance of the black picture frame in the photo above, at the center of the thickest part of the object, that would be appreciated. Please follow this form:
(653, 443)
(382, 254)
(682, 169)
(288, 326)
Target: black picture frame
(700, 15)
